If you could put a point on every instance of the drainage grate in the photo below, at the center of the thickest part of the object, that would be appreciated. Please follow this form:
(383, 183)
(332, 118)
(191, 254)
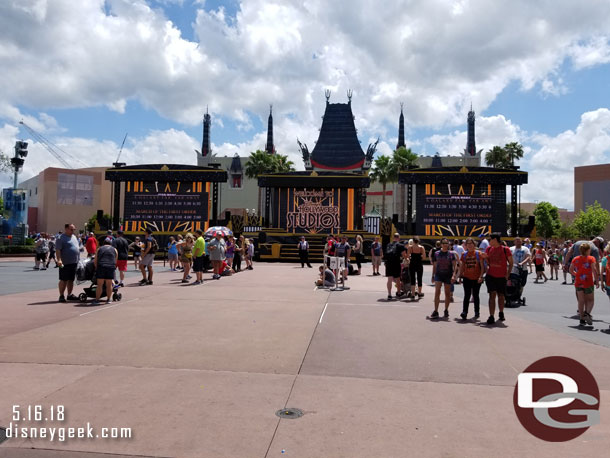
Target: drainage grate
(3, 435)
(290, 413)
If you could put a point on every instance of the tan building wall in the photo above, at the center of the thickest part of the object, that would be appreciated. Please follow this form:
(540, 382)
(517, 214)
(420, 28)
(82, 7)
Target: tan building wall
(52, 212)
(592, 183)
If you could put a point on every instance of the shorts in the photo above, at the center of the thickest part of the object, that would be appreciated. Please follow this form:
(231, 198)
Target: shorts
(198, 264)
(41, 256)
(148, 260)
(105, 272)
(539, 267)
(67, 272)
(443, 278)
(392, 270)
(137, 255)
(376, 261)
(172, 256)
(496, 284)
(122, 265)
(608, 290)
(588, 290)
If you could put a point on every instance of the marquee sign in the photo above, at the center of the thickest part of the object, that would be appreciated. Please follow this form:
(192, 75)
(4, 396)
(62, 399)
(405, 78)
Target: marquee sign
(460, 210)
(165, 206)
(314, 211)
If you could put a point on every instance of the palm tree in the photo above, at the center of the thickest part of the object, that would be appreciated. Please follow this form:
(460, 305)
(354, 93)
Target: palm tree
(496, 157)
(384, 171)
(259, 163)
(513, 152)
(404, 159)
(281, 164)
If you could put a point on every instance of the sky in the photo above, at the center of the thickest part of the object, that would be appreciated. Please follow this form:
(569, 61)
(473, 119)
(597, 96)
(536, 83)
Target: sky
(84, 74)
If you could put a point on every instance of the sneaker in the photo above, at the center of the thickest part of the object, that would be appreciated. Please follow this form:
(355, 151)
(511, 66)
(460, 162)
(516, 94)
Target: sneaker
(95, 302)
(149, 282)
(434, 315)
(564, 283)
(588, 319)
(72, 297)
(464, 316)
(491, 320)
(142, 282)
(185, 281)
(43, 268)
(389, 297)
(188, 277)
(420, 294)
(121, 285)
(476, 316)
(197, 282)
(501, 316)
(582, 322)
(36, 268)
(446, 314)
(250, 268)
(62, 299)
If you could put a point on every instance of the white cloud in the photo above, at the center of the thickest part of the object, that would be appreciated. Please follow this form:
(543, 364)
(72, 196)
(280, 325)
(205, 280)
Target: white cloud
(552, 162)
(436, 56)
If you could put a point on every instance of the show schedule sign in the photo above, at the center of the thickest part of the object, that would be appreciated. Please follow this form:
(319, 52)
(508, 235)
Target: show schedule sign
(460, 210)
(165, 206)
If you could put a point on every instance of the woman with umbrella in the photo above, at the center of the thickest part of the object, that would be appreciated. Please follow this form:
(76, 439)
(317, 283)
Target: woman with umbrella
(217, 248)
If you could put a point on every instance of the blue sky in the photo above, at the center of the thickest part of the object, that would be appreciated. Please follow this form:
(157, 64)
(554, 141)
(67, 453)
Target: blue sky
(92, 71)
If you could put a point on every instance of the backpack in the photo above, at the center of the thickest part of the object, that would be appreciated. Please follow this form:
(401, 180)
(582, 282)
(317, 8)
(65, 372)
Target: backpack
(155, 245)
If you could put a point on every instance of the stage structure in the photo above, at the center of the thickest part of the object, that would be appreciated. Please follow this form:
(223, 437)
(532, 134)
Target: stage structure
(462, 202)
(168, 199)
(329, 197)
(316, 202)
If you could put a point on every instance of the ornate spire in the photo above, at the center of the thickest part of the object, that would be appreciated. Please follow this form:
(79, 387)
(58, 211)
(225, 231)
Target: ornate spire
(471, 148)
(205, 144)
(401, 130)
(270, 148)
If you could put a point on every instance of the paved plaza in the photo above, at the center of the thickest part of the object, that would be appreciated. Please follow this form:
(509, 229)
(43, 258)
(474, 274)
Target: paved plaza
(200, 371)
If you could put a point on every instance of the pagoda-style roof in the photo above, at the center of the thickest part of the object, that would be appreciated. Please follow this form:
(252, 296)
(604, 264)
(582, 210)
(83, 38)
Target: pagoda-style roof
(338, 147)
(235, 167)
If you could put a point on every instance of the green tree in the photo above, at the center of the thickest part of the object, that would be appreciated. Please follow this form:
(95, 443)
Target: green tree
(106, 222)
(496, 157)
(566, 232)
(547, 219)
(281, 164)
(383, 171)
(504, 157)
(259, 163)
(593, 221)
(513, 152)
(404, 159)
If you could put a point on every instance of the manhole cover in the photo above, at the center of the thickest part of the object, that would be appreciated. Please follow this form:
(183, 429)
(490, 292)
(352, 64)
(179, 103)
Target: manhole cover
(2, 435)
(290, 413)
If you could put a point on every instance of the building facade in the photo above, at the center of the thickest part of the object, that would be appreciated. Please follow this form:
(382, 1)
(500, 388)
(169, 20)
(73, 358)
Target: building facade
(591, 184)
(58, 196)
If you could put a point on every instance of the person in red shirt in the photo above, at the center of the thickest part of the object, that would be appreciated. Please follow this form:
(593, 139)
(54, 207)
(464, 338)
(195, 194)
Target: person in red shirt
(500, 263)
(586, 276)
(472, 270)
(91, 245)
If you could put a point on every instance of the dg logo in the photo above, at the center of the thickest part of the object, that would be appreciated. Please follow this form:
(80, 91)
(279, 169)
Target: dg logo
(556, 399)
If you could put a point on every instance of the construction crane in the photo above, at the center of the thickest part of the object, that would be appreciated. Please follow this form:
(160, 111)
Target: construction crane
(117, 163)
(55, 150)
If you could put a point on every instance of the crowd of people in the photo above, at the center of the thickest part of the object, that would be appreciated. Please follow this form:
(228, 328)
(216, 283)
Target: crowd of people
(503, 269)
(191, 253)
(470, 263)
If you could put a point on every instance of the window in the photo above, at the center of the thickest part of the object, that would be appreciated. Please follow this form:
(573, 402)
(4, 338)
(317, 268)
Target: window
(74, 189)
(36, 190)
(236, 181)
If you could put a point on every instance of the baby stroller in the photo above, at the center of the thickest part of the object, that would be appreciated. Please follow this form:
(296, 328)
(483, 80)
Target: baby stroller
(85, 271)
(514, 288)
